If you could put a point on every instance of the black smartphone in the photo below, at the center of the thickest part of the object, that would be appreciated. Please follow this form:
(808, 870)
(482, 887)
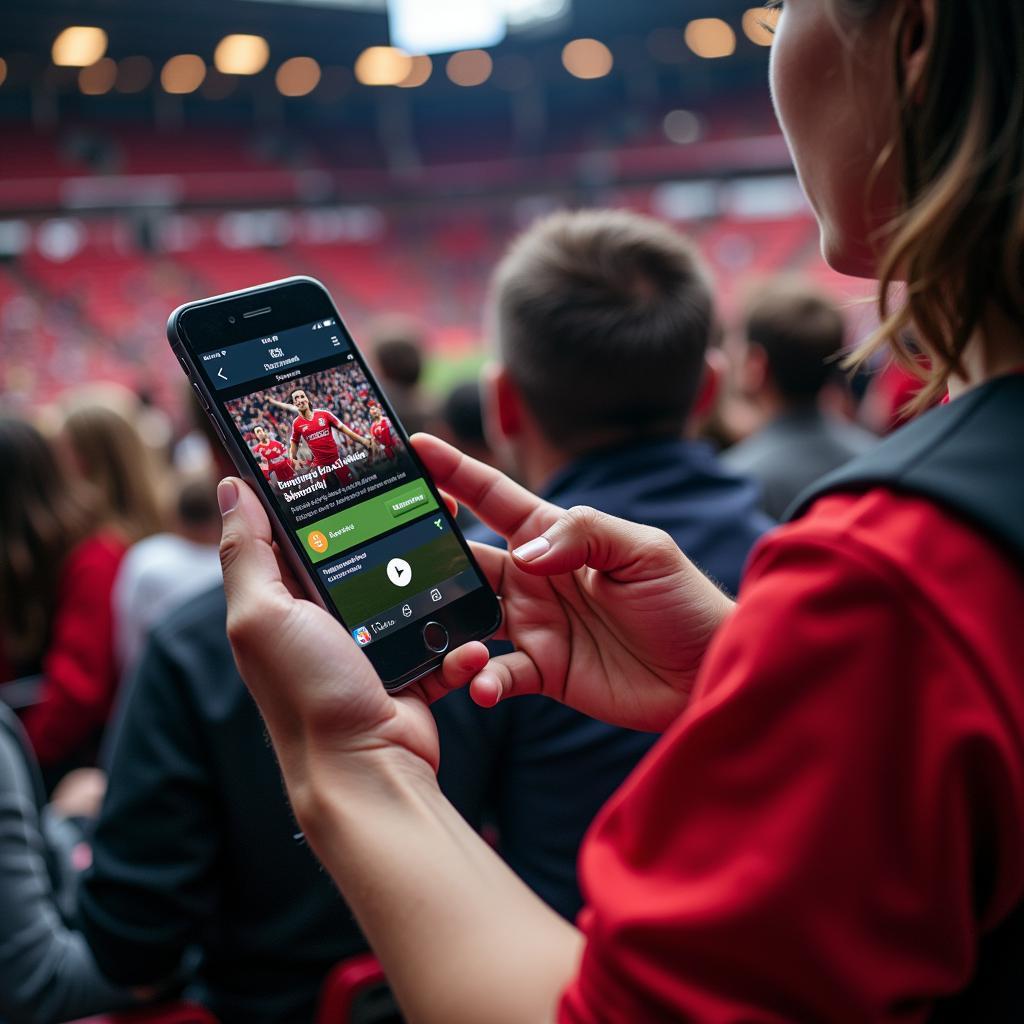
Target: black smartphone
(354, 512)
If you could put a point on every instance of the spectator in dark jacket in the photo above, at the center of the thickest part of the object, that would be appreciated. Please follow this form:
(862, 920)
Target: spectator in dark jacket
(603, 320)
(47, 973)
(792, 337)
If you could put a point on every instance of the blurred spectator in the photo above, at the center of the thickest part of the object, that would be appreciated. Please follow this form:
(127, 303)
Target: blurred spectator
(793, 334)
(460, 421)
(196, 845)
(58, 560)
(603, 320)
(890, 393)
(47, 973)
(396, 353)
(106, 450)
(163, 571)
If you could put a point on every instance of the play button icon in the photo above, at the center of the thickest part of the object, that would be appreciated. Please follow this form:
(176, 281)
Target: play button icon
(399, 572)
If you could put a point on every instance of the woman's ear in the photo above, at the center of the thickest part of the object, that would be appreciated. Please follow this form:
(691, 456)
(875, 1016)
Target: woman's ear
(916, 38)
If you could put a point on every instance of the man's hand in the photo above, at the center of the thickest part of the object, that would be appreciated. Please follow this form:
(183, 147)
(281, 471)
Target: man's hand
(80, 793)
(606, 616)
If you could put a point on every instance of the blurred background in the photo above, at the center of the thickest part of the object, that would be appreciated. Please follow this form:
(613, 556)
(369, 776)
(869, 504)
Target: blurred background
(158, 152)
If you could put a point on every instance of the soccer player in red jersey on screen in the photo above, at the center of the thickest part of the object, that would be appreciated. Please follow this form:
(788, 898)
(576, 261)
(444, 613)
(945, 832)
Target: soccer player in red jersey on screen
(273, 453)
(382, 432)
(316, 427)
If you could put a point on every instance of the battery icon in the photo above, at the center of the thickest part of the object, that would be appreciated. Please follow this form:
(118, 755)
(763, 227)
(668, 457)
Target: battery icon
(327, 323)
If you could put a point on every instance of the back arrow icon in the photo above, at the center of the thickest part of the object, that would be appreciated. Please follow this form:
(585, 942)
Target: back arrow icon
(220, 373)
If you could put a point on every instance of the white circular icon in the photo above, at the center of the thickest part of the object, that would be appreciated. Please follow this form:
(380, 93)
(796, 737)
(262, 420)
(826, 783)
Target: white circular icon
(399, 572)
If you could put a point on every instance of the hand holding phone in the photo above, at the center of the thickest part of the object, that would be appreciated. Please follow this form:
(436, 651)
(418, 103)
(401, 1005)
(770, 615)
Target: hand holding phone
(368, 538)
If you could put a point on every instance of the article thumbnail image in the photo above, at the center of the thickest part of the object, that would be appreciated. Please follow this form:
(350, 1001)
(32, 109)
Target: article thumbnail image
(328, 424)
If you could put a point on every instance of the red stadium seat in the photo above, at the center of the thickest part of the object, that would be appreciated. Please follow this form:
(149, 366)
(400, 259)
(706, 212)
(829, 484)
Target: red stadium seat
(356, 992)
(171, 1013)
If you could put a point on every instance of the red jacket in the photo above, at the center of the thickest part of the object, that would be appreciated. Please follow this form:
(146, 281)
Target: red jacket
(836, 819)
(79, 667)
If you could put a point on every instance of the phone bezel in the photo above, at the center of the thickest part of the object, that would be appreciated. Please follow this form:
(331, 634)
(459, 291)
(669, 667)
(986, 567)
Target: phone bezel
(203, 324)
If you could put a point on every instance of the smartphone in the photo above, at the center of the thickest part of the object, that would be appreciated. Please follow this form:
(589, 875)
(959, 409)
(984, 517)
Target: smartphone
(353, 509)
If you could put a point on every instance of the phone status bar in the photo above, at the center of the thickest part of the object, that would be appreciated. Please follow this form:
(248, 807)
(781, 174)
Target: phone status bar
(274, 353)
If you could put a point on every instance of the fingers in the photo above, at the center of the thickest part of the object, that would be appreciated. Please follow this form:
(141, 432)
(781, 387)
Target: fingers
(287, 576)
(490, 679)
(457, 669)
(583, 536)
(450, 503)
(509, 675)
(497, 501)
(246, 553)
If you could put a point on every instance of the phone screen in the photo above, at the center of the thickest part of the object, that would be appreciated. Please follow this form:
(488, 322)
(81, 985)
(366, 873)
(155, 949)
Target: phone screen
(341, 474)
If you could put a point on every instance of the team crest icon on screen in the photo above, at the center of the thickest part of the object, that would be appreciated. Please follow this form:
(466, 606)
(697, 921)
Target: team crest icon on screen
(361, 636)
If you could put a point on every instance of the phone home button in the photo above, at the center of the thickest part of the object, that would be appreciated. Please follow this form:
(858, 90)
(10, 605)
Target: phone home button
(435, 636)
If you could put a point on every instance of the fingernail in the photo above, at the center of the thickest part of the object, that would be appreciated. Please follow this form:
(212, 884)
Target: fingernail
(532, 549)
(227, 496)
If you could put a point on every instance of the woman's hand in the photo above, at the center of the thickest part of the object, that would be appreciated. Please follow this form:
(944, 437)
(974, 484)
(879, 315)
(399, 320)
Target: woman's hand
(606, 616)
(317, 691)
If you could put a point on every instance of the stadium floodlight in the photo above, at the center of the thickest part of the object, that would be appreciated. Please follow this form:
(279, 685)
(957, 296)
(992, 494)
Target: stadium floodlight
(79, 46)
(441, 26)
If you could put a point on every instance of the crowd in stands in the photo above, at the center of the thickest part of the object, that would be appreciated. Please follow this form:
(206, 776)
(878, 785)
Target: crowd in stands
(597, 393)
(614, 382)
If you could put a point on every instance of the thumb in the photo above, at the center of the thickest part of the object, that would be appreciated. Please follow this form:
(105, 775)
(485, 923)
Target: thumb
(584, 536)
(246, 555)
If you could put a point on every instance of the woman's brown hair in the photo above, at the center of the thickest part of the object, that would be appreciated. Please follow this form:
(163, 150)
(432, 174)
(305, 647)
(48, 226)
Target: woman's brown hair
(959, 241)
(43, 515)
(110, 455)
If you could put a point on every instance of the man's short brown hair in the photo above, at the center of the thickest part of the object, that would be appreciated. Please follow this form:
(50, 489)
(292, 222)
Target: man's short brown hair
(801, 331)
(603, 319)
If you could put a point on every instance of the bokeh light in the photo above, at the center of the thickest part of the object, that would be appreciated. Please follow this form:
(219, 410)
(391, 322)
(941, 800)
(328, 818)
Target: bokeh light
(382, 65)
(682, 127)
(757, 24)
(241, 54)
(710, 38)
(297, 76)
(183, 74)
(98, 79)
(587, 58)
(419, 72)
(469, 68)
(79, 46)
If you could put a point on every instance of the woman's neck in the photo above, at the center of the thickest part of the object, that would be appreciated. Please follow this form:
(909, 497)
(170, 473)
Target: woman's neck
(996, 349)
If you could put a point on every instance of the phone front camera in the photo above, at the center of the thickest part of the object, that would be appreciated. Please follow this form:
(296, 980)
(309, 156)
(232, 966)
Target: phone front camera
(231, 319)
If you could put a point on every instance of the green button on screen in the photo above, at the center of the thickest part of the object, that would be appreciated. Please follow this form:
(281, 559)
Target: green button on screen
(410, 500)
(327, 537)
